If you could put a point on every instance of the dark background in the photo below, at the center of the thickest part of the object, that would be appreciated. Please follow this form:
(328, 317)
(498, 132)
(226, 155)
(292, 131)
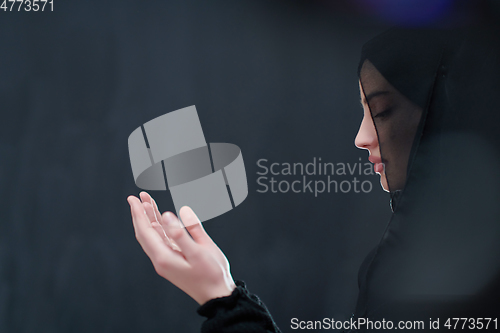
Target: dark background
(276, 78)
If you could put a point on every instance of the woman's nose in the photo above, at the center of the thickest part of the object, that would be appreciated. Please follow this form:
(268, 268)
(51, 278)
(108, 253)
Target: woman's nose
(367, 135)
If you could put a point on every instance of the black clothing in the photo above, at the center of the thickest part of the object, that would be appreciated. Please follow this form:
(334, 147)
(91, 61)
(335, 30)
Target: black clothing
(241, 312)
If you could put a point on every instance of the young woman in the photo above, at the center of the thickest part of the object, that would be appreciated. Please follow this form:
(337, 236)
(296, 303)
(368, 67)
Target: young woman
(430, 124)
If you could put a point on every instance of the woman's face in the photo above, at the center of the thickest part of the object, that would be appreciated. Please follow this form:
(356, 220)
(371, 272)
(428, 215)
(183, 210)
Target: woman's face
(388, 129)
(367, 139)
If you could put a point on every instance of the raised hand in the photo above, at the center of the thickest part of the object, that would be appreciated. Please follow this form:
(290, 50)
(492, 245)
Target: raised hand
(194, 264)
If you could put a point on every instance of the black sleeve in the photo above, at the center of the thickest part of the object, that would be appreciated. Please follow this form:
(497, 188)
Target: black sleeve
(240, 312)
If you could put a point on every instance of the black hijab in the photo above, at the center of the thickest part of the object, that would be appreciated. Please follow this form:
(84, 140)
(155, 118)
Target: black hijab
(437, 117)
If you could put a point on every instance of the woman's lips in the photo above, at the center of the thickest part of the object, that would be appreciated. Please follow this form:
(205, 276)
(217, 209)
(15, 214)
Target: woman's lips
(378, 166)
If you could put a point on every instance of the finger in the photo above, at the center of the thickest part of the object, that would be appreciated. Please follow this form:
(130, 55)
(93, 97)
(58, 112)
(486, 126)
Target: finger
(148, 237)
(156, 210)
(148, 208)
(168, 240)
(154, 246)
(157, 227)
(150, 212)
(146, 197)
(153, 215)
(194, 225)
(179, 235)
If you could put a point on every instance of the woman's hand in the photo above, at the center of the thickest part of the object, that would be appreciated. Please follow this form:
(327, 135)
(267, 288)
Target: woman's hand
(195, 265)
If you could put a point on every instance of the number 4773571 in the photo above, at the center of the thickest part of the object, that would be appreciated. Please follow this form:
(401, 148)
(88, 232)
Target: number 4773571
(27, 5)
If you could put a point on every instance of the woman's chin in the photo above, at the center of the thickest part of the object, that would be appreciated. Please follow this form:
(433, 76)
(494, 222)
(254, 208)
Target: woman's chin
(383, 183)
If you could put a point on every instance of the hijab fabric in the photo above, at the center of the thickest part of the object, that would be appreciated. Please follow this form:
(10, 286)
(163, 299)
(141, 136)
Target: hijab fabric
(433, 98)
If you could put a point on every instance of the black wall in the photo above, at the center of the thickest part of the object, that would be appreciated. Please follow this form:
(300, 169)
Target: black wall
(276, 78)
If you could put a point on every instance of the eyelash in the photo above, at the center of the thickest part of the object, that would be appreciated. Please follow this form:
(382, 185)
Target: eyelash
(383, 114)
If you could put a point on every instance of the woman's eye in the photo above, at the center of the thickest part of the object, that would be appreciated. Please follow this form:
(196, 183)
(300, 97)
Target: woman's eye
(383, 114)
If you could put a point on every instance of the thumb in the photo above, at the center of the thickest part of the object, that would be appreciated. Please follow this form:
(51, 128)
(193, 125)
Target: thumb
(194, 226)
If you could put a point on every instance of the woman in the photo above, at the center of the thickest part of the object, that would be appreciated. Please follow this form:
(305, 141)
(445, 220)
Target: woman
(430, 124)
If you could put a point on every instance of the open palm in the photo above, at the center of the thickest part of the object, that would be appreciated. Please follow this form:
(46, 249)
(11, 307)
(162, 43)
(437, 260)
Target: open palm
(194, 264)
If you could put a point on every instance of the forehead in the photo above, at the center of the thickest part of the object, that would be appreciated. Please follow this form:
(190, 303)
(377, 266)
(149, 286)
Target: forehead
(372, 81)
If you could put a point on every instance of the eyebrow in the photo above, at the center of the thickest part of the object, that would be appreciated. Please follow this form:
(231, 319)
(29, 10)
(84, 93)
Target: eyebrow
(374, 94)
